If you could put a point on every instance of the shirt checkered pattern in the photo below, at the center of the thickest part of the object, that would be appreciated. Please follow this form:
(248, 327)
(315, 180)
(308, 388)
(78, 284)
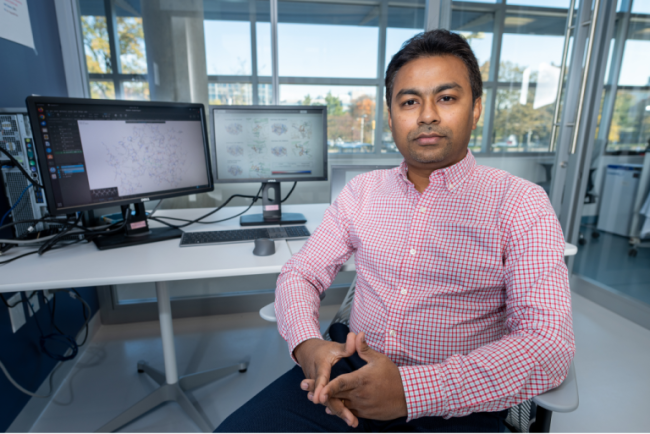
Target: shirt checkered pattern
(464, 286)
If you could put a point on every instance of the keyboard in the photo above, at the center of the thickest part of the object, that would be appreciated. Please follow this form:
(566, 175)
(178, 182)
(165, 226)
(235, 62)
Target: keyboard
(243, 235)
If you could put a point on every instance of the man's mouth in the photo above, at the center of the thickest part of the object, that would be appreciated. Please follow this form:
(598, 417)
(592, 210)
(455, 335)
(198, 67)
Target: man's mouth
(428, 139)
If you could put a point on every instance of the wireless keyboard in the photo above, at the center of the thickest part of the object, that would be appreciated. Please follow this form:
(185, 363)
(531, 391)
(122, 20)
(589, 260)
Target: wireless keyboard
(242, 235)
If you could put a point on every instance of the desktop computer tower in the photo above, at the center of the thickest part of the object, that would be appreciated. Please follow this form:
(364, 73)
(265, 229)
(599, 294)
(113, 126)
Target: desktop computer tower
(16, 138)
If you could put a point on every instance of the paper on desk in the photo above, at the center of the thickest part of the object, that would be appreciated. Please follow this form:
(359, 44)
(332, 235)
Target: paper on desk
(14, 22)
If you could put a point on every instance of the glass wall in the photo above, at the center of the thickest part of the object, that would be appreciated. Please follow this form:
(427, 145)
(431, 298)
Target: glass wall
(335, 54)
(614, 248)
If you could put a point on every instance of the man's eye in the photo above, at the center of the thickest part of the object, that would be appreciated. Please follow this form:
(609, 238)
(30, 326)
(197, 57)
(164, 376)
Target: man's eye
(410, 102)
(447, 98)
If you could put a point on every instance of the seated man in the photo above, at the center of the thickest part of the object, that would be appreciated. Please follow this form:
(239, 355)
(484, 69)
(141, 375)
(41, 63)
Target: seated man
(462, 306)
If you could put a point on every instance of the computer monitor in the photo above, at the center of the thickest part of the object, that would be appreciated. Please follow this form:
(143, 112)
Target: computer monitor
(99, 153)
(270, 144)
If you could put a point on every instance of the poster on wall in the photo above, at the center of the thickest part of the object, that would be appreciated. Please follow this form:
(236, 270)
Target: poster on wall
(14, 22)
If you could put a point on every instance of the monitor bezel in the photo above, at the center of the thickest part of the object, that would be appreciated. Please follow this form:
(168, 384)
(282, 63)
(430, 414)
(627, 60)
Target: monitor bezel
(31, 103)
(213, 141)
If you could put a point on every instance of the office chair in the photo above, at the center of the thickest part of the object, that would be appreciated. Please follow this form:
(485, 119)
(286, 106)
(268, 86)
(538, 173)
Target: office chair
(532, 416)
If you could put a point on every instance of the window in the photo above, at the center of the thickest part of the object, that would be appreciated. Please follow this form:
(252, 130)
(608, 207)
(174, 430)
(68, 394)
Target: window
(114, 45)
(626, 106)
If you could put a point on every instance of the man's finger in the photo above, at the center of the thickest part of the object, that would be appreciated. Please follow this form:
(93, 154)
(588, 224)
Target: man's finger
(336, 407)
(308, 385)
(349, 348)
(341, 384)
(322, 378)
(364, 351)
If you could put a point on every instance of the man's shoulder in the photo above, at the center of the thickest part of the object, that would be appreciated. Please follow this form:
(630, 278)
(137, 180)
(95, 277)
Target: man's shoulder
(374, 181)
(504, 184)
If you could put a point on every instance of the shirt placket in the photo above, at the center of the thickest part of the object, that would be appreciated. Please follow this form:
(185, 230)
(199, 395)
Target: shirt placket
(407, 287)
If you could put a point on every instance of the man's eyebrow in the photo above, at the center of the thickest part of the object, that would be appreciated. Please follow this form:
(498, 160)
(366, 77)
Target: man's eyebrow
(447, 86)
(437, 89)
(409, 92)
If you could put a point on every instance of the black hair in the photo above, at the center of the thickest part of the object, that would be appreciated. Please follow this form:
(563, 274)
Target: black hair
(437, 42)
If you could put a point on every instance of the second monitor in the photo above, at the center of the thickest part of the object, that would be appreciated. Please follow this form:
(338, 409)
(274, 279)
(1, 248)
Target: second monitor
(270, 145)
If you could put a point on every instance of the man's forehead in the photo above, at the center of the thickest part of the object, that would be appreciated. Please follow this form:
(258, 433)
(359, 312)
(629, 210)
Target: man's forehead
(430, 72)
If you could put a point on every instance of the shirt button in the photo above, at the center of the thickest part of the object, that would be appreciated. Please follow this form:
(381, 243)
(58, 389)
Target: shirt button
(451, 186)
(403, 291)
(393, 333)
(413, 252)
(423, 210)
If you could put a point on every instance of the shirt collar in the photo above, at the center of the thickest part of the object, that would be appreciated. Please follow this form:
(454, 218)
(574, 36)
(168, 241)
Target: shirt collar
(452, 176)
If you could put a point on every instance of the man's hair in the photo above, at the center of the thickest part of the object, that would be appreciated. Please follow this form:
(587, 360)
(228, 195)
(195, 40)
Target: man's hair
(437, 42)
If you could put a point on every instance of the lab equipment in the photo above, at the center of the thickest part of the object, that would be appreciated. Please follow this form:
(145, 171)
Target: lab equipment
(243, 235)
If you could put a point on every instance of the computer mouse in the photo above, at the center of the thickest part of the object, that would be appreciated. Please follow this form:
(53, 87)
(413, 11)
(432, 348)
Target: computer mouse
(264, 247)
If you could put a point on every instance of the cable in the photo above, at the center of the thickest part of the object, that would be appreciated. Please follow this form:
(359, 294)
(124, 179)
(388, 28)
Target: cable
(55, 337)
(25, 391)
(84, 306)
(15, 204)
(290, 191)
(10, 306)
(198, 220)
(21, 168)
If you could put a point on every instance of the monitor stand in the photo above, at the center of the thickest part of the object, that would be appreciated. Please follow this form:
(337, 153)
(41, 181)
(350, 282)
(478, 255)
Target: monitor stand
(136, 232)
(272, 210)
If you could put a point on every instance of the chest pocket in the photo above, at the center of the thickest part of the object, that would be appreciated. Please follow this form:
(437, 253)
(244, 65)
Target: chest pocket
(463, 256)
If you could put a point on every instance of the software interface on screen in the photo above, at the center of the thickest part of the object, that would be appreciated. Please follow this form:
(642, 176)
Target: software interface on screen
(98, 154)
(263, 144)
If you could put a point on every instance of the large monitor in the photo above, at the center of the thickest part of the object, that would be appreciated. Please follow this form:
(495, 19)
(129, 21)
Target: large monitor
(270, 144)
(99, 153)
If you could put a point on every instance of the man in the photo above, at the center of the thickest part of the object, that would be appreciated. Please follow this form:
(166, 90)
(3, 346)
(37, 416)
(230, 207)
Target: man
(462, 307)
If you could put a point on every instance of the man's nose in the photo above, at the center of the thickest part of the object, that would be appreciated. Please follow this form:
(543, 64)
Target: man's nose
(429, 113)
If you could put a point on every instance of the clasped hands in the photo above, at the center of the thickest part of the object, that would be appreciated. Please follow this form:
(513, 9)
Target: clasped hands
(373, 392)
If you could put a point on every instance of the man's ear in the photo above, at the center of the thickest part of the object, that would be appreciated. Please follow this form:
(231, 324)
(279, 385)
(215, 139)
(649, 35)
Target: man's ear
(478, 108)
(390, 121)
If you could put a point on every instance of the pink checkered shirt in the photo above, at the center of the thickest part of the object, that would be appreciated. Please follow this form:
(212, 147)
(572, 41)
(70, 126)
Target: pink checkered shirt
(464, 286)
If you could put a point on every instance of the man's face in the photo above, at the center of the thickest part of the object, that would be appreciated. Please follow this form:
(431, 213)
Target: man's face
(432, 114)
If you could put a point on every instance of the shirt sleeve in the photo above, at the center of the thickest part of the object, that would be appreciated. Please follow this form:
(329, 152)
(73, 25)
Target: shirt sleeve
(535, 354)
(311, 271)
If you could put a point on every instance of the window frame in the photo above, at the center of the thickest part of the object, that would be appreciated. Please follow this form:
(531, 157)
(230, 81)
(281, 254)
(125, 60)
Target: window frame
(499, 10)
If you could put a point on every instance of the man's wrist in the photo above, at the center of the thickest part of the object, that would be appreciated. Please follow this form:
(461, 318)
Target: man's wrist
(303, 348)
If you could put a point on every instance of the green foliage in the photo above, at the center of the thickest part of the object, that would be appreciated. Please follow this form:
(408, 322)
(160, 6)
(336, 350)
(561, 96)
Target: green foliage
(334, 105)
(96, 46)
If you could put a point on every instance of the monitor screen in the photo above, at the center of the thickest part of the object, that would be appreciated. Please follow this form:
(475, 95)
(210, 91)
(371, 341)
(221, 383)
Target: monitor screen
(96, 153)
(262, 143)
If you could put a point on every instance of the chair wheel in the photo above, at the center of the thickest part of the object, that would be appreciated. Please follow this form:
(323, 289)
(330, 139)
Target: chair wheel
(243, 370)
(632, 253)
(140, 371)
(582, 241)
(595, 234)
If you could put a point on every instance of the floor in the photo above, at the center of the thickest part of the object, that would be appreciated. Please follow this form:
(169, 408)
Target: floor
(611, 364)
(606, 260)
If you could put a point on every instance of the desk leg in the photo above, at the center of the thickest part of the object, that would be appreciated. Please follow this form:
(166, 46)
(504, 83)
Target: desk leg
(171, 387)
(167, 332)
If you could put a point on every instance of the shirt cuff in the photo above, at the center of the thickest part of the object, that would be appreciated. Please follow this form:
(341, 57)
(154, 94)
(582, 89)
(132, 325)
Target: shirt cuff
(301, 337)
(422, 390)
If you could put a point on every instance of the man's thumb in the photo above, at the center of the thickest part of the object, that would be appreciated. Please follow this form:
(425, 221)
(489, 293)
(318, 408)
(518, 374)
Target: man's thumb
(364, 351)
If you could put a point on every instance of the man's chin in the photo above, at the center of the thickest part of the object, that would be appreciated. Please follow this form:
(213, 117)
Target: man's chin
(428, 157)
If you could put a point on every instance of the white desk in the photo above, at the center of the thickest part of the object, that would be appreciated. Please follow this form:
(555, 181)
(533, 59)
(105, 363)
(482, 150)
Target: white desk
(83, 265)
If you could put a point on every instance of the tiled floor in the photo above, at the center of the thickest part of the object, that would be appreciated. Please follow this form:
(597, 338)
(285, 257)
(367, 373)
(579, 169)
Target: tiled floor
(606, 260)
(611, 363)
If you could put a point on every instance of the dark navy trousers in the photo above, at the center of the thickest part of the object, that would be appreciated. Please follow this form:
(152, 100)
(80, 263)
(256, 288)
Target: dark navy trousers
(283, 407)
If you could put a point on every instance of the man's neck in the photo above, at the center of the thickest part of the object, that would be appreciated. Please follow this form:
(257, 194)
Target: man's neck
(419, 176)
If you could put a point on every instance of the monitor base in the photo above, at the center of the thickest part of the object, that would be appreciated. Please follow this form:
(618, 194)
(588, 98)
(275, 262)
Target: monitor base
(121, 240)
(287, 218)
